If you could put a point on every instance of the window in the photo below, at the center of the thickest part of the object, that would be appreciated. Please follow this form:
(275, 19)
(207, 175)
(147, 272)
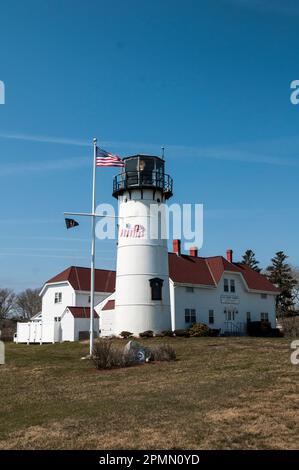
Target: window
(248, 316)
(58, 298)
(190, 315)
(230, 314)
(264, 316)
(225, 285)
(156, 288)
(232, 285)
(189, 289)
(89, 299)
(264, 296)
(211, 316)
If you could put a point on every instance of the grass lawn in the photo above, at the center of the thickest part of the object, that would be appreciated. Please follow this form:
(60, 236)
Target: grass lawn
(221, 393)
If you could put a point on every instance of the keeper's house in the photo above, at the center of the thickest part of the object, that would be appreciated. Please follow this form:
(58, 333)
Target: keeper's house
(214, 290)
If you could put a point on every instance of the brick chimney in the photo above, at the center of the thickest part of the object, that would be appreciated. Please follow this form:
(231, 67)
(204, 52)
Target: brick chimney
(177, 247)
(193, 251)
(229, 255)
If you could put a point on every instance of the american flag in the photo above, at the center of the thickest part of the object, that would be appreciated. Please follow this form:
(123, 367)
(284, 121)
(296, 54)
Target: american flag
(104, 158)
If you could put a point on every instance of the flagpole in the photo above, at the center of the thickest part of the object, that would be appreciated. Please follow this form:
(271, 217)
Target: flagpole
(92, 262)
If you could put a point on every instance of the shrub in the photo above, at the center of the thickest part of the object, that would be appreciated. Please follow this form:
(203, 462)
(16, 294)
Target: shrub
(214, 332)
(163, 352)
(182, 333)
(107, 356)
(201, 329)
(290, 326)
(198, 330)
(167, 333)
(146, 334)
(259, 328)
(277, 333)
(102, 354)
(126, 334)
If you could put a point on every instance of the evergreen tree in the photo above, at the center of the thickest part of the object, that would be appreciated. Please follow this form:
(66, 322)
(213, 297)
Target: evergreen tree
(280, 274)
(249, 259)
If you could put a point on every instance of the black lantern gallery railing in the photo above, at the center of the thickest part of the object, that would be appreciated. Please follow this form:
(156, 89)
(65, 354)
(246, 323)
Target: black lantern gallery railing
(129, 180)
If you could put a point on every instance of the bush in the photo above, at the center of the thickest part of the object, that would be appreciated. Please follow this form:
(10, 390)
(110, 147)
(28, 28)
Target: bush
(126, 334)
(182, 333)
(276, 333)
(201, 329)
(146, 334)
(215, 332)
(163, 352)
(107, 356)
(259, 328)
(290, 326)
(167, 333)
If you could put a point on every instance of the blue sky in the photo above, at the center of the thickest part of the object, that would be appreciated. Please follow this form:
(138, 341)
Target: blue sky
(209, 80)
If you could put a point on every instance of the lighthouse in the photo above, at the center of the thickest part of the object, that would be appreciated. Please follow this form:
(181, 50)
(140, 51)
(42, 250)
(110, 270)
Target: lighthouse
(142, 300)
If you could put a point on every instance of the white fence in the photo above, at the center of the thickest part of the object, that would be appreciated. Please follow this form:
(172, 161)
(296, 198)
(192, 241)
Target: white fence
(38, 332)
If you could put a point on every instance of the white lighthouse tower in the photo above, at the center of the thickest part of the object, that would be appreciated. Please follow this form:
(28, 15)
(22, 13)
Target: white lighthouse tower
(142, 300)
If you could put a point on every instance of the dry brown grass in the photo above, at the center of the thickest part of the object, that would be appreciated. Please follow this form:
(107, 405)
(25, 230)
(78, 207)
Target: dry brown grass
(221, 393)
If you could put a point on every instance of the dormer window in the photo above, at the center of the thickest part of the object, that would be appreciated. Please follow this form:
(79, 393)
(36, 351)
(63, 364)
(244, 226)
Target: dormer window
(156, 285)
(58, 298)
(232, 285)
(225, 285)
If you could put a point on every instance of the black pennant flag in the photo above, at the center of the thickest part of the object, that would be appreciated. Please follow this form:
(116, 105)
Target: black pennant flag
(71, 223)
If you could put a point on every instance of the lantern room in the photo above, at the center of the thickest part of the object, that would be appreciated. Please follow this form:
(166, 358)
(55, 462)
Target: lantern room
(143, 172)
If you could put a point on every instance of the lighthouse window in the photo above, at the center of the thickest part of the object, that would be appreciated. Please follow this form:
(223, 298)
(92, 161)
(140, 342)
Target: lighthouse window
(156, 288)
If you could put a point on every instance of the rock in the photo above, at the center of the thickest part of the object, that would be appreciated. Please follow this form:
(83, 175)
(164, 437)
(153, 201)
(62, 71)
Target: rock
(141, 353)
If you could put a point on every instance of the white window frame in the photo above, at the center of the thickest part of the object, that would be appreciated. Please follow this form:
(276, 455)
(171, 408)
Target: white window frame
(264, 316)
(230, 314)
(191, 313)
(57, 297)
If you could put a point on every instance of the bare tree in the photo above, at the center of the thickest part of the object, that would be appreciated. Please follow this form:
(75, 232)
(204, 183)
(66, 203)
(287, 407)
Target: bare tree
(7, 302)
(28, 303)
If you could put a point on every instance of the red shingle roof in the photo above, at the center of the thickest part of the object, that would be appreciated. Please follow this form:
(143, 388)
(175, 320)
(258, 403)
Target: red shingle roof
(182, 269)
(189, 270)
(81, 312)
(79, 278)
(110, 305)
(208, 271)
(255, 280)
(218, 264)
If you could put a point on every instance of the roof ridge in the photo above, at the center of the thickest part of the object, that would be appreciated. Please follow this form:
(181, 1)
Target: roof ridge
(210, 271)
